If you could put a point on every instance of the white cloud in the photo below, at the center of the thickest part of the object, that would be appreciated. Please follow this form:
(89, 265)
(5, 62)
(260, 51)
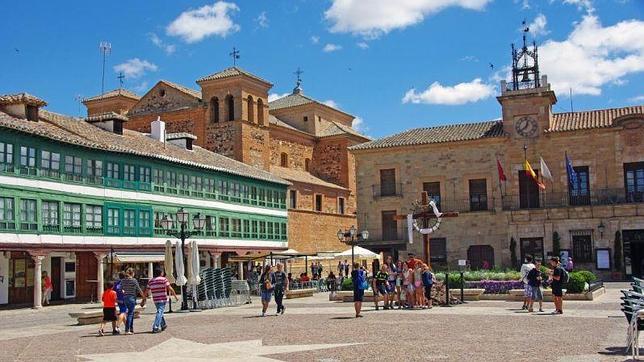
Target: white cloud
(315, 39)
(581, 4)
(135, 68)
(195, 25)
(362, 45)
(469, 58)
(593, 55)
(538, 25)
(461, 93)
(141, 88)
(274, 96)
(262, 20)
(331, 103)
(372, 18)
(636, 99)
(331, 48)
(359, 125)
(167, 48)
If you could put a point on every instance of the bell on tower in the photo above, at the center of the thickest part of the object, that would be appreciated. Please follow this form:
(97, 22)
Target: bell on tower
(525, 65)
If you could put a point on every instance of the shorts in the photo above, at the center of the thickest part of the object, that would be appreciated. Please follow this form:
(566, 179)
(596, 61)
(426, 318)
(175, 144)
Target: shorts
(358, 295)
(382, 289)
(410, 288)
(391, 286)
(122, 307)
(428, 291)
(557, 291)
(398, 282)
(527, 291)
(109, 314)
(266, 295)
(537, 294)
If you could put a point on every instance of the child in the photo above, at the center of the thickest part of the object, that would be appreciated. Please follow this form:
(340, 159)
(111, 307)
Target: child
(418, 285)
(408, 283)
(535, 281)
(109, 308)
(428, 282)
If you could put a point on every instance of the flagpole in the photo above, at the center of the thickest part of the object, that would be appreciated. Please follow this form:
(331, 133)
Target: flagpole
(525, 161)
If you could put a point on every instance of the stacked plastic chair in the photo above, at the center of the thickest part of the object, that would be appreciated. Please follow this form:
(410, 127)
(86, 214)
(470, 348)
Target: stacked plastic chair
(633, 309)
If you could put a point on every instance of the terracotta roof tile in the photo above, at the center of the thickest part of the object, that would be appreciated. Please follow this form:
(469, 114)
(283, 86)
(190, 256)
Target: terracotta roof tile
(296, 99)
(189, 91)
(106, 116)
(439, 134)
(114, 93)
(74, 131)
(302, 176)
(232, 72)
(331, 128)
(600, 118)
(25, 98)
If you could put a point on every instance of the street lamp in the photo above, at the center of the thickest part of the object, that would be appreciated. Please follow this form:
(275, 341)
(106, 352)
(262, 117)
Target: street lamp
(601, 228)
(349, 237)
(198, 222)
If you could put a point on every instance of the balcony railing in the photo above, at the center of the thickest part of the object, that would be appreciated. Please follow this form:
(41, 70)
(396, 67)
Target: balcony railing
(387, 190)
(599, 197)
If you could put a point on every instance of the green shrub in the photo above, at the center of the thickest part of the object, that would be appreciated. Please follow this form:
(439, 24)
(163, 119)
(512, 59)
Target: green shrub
(576, 283)
(347, 284)
(588, 276)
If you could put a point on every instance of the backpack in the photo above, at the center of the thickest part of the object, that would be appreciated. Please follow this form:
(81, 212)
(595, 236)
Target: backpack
(362, 282)
(565, 277)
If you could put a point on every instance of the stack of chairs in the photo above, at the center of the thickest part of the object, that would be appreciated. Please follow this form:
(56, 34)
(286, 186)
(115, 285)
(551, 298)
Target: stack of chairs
(214, 289)
(633, 309)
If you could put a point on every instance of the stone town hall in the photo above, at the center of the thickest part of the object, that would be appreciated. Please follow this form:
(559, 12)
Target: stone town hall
(295, 137)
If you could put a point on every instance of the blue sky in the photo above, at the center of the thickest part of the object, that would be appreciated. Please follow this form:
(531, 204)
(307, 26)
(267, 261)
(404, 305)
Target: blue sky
(394, 64)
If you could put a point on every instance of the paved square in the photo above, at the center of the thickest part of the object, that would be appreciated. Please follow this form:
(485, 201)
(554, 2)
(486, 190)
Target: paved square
(314, 329)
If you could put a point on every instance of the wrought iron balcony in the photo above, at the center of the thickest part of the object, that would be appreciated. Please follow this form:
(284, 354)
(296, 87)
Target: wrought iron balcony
(387, 190)
(599, 197)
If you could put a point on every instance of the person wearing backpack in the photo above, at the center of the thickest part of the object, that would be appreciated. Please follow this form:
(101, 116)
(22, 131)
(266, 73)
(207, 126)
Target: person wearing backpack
(559, 277)
(359, 280)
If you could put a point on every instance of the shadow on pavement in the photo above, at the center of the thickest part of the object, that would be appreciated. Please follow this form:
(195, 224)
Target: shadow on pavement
(343, 318)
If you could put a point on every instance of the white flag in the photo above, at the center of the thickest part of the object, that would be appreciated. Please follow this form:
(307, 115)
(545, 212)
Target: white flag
(545, 171)
(410, 228)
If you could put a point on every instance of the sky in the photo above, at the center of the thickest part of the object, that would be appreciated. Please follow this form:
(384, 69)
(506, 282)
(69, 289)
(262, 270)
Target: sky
(395, 65)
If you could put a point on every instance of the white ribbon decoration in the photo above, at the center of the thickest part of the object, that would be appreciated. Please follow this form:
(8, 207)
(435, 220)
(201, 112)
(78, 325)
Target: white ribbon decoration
(413, 224)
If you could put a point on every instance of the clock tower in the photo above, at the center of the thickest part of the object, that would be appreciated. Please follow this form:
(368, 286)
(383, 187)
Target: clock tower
(527, 100)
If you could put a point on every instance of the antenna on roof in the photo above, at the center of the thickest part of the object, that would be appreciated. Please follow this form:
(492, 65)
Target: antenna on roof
(298, 83)
(106, 49)
(121, 77)
(235, 55)
(571, 108)
(79, 99)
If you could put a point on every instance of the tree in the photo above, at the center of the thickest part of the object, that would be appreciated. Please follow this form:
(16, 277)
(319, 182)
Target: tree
(556, 243)
(513, 252)
(617, 253)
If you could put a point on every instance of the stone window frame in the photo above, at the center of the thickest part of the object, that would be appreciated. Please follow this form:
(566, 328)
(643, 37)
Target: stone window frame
(292, 200)
(315, 202)
(342, 205)
(284, 159)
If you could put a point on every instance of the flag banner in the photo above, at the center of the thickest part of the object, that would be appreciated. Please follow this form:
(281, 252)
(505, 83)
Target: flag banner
(545, 171)
(500, 170)
(528, 168)
(572, 175)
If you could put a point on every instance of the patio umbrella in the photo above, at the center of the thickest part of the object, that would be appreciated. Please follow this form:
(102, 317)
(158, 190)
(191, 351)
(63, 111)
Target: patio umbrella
(181, 278)
(194, 256)
(168, 263)
(189, 268)
(360, 252)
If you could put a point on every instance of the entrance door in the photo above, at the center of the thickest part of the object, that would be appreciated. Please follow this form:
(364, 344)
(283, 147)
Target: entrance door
(21, 278)
(481, 256)
(528, 191)
(532, 247)
(633, 252)
(56, 277)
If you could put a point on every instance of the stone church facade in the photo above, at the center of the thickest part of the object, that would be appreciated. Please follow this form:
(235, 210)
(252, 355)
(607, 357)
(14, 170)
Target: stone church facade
(296, 137)
(457, 166)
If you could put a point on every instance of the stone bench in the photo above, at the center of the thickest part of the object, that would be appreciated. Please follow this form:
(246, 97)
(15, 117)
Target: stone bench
(300, 293)
(95, 315)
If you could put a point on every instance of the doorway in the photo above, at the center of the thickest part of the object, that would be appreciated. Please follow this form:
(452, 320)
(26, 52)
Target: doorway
(56, 279)
(634, 252)
(481, 257)
(21, 278)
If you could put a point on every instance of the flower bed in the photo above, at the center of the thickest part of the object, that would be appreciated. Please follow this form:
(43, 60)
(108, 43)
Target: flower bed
(495, 286)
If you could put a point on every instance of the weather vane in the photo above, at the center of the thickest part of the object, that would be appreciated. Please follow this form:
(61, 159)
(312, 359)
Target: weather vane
(235, 55)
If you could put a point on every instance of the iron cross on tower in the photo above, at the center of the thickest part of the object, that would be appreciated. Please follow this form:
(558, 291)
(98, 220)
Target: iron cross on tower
(424, 213)
(121, 77)
(298, 74)
(235, 55)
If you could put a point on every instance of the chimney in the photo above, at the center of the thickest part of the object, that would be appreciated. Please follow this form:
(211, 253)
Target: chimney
(22, 105)
(157, 130)
(183, 139)
(109, 121)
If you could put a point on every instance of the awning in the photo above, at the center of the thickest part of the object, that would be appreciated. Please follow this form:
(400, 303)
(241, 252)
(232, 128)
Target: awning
(134, 257)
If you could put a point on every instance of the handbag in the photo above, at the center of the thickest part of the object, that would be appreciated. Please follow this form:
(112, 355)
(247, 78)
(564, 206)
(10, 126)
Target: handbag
(364, 285)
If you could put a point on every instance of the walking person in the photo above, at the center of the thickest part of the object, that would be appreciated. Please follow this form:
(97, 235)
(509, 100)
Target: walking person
(428, 282)
(527, 291)
(120, 301)
(346, 268)
(281, 287)
(340, 267)
(160, 288)
(557, 284)
(131, 290)
(47, 288)
(359, 280)
(109, 309)
(266, 282)
(320, 269)
(535, 281)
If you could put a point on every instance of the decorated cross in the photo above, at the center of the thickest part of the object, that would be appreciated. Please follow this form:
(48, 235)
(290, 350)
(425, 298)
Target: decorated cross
(424, 212)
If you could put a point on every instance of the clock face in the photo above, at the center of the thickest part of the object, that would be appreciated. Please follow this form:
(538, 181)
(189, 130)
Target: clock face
(527, 126)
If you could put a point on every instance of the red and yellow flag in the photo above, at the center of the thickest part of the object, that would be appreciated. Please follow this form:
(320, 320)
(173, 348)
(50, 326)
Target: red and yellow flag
(528, 169)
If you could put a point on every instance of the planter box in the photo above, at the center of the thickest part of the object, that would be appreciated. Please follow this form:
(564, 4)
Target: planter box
(300, 293)
(494, 296)
(517, 295)
(469, 294)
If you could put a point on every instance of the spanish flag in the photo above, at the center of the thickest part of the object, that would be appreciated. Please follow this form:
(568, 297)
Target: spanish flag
(528, 169)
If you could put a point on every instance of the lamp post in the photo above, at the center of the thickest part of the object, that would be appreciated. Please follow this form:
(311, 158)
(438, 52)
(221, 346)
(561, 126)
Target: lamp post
(601, 228)
(351, 237)
(198, 222)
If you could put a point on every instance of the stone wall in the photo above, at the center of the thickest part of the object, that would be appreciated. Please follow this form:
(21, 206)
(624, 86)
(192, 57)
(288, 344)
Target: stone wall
(330, 161)
(311, 232)
(298, 149)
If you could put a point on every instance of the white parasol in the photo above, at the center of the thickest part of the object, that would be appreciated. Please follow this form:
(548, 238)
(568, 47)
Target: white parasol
(181, 278)
(359, 252)
(168, 263)
(194, 279)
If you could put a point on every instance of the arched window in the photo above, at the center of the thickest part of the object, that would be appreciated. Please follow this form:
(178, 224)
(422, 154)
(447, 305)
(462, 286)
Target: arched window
(307, 165)
(284, 159)
(214, 109)
(260, 111)
(249, 109)
(230, 102)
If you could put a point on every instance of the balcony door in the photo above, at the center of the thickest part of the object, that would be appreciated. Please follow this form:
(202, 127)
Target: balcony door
(528, 191)
(634, 181)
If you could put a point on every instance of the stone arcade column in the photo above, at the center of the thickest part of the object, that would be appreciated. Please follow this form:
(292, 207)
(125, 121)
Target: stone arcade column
(150, 270)
(100, 267)
(37, 280)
